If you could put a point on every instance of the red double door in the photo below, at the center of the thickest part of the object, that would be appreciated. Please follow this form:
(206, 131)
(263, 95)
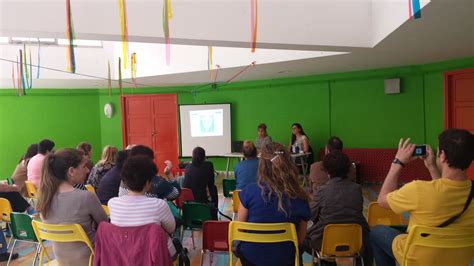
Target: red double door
(152, 120)
(459, 103)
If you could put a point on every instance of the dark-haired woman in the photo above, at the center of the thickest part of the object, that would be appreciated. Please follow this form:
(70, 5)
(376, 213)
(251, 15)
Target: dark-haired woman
(136, 209)
(277, 197)
(199, 177)
(298, 142)
(339, 201)
(60, 203)
(19, 176)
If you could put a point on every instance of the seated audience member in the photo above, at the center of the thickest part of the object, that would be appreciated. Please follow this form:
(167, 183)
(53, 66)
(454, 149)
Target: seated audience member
(299, 142)
(60, 203)
(86, 149)
(110, 183)
(134, 208)
(199, 177)
(262, 138)
(429, 203)
(18, 203)
(339, 201)
(35, 165)
(160, 187)
(103, 166)
(246, 170)
(277, 197)
(19, 176)
(317, 175)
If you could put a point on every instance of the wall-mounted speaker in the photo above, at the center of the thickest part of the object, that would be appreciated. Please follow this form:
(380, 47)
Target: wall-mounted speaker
(392, 86)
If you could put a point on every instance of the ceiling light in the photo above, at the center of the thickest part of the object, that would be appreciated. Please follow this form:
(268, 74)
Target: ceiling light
(4, 39)
(47, 40)
(89, 43)
(24, 39)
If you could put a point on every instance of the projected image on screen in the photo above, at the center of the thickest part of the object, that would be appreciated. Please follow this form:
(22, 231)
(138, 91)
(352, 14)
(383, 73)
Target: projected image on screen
(207, 123)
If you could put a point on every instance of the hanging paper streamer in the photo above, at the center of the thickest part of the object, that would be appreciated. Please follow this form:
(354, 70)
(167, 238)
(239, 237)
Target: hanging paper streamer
(241, 71)
(416, 9)
(13, 76)
(30, 85)
(133, 67)
(22, 73)
(109, 82)
(167, 15)
(209, 61)
(253, 23)
(27, 75)
(217, 72)
(120, 75)
(124, 29)
(71, 37)
(39, 52)
(18, 69)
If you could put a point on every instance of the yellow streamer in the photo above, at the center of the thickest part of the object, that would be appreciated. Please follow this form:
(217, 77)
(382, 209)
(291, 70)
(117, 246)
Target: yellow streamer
(123, 22)
(169, 11)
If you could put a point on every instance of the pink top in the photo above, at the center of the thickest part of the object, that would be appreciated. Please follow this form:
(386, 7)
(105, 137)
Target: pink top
(34, 169)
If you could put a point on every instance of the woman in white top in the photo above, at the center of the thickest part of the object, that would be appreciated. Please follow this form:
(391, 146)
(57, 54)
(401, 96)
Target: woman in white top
(136, 209)
(298, 139)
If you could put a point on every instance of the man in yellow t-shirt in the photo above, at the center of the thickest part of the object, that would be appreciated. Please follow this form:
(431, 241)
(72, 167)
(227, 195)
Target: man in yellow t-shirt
(429, 203)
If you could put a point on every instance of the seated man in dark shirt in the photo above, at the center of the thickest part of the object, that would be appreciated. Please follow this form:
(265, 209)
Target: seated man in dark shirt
(160, 187)
(110, 183)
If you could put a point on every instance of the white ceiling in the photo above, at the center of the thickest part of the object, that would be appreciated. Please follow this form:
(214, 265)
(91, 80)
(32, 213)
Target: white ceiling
(357, 27)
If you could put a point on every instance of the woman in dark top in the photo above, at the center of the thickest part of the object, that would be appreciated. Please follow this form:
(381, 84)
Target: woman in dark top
(339, 201)
(199, 177)
(277, 197)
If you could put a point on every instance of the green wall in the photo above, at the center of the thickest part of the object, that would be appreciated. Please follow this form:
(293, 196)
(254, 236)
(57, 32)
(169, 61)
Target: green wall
(350, 105)
(65, 116)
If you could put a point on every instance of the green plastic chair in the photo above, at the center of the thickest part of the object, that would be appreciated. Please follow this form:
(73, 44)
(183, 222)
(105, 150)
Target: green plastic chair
(228, 185)
(194, 216)
(22, 230)
(10, 181)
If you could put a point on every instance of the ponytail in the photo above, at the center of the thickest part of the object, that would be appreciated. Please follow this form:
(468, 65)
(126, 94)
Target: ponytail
(53, 173)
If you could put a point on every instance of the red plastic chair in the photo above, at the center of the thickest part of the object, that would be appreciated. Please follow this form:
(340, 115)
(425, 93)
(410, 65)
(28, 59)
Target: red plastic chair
(186, 195)
(214, 238)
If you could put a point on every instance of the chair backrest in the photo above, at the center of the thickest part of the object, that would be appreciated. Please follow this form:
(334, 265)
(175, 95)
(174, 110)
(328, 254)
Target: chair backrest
(441, 238)
(195, 214)
(263, 233)
(61, 233)
(10, 181)
(228, 185)
(90, 188)
(21, 227)
(30, 189)
(215, 236)
(341, 240)
(5, 209)
(185, 195)
(378, 215)
(235, 200)
(106, 209)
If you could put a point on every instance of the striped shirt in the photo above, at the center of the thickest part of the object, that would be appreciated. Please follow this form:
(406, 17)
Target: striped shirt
(127, 211)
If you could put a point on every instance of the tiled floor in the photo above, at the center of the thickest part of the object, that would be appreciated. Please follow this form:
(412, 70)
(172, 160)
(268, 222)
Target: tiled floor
(26, 250)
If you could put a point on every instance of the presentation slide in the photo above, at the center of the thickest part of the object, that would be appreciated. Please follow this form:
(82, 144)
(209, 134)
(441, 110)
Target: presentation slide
(207, 126)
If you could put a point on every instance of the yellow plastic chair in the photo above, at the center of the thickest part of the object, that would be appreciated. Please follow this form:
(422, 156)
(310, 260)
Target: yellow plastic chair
(235, 202)
(442, 240)
(90, 188)
(61, 233)
(340, 241)
(106, 209)
(263, 233)
(31, 191)
(378, 215)
(5, 211)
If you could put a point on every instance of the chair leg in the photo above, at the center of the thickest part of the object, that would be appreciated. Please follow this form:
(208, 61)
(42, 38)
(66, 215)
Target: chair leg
(11, 252)
(202, 257)
(211, 258)
(11, 235)
(38, 249)
(192, 237)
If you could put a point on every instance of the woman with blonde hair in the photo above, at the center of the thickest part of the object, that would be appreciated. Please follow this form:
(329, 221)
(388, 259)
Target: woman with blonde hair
(277, 197)
(60, 203)
(106, 163)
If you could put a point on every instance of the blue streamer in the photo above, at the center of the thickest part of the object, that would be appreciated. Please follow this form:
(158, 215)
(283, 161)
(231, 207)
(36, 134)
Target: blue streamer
(22, 72)
(416, 9)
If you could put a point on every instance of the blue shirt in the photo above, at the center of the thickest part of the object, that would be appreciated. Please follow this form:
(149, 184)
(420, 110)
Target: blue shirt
(246, 172)
(261, 210)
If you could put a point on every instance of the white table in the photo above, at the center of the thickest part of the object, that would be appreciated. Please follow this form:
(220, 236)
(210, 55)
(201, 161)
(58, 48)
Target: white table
(297, 156)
